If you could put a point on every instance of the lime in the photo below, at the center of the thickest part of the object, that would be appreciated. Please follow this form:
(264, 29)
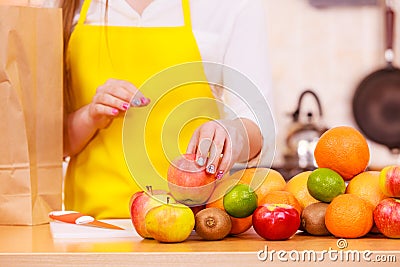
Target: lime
(240, 201)
(325, 184)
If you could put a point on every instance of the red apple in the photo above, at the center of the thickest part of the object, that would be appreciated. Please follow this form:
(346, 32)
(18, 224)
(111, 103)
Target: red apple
(276, 221)
(133, 197)
(389, 181)
(387, 217)
(142, 202)
(189, 183)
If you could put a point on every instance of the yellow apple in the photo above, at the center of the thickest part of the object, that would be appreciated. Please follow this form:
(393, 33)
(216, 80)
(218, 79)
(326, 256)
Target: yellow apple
(170, 223)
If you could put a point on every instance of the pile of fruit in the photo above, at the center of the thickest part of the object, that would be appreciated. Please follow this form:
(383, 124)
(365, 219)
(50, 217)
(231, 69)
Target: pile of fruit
(339, 198)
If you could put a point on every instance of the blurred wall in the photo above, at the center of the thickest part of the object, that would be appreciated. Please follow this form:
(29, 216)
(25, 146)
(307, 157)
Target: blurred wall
(329, 51)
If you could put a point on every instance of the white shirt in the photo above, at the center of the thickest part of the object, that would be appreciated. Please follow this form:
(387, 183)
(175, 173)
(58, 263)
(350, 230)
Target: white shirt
(228, 32)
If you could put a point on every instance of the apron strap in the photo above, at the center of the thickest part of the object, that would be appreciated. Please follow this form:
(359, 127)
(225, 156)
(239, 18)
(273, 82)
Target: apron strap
(84, 10)
(186, 13)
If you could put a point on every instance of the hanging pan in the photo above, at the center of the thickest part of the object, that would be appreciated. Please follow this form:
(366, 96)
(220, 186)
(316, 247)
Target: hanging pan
(376, 102)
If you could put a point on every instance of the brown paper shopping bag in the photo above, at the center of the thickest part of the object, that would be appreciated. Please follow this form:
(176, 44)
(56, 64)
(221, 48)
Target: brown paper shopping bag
(30, 114)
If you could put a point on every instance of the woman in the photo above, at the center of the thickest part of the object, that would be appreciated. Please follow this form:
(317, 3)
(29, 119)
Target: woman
(112, 49)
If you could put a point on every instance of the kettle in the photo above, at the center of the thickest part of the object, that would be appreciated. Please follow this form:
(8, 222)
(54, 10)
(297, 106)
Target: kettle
(303, 137)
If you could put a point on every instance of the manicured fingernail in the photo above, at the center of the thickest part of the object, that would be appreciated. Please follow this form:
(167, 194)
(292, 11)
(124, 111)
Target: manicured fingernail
(200, 161)
(211, 169)
(144, 100)
(136, 102)
(125, 106)
(219, 175)
(115, 111)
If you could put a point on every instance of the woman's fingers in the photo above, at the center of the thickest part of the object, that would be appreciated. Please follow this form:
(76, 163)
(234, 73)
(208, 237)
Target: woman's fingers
(212, 145)
(215, 151)
(225, 160)
(124, 94)
(112, 98)
(200, 144)
(120, 95)
(135, 97)
(110, 101)
(139, 100)
(192, 146)
(206, 135)
(99, 109)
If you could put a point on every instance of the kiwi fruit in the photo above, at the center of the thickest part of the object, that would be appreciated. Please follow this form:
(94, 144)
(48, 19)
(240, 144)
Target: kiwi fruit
(313, 219)
(212, 224)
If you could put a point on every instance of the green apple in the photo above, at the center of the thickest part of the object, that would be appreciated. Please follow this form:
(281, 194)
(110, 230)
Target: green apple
(170, 223)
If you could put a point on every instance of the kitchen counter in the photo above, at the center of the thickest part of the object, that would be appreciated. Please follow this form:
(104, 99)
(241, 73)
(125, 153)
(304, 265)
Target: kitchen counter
(35, 246)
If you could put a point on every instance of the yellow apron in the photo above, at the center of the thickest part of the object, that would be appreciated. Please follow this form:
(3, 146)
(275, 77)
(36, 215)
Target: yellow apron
(98, 180)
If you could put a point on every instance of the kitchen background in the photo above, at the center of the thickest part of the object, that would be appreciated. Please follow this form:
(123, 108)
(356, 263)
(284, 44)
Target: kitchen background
(329, 50)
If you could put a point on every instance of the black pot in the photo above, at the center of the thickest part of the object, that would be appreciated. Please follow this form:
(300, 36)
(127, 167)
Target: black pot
(376, 102)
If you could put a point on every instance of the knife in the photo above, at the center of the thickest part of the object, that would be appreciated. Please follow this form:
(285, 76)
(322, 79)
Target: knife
(78, 218)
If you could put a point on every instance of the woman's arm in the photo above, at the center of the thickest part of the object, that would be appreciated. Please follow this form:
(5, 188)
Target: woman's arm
(78, 130)
(241, 135)
(247, 53)
(255, 139)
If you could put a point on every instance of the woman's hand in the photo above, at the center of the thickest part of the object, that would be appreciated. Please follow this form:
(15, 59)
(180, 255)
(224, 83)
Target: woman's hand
(111, 98)
(219, 144)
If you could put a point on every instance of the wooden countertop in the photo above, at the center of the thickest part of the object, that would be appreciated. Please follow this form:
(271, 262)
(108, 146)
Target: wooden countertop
(34, 246)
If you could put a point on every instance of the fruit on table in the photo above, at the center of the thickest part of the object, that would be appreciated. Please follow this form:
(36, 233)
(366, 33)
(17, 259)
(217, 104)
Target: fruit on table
(313, 219)
(170, 223)
(349, 216)
(389, 181)
(189, 183)
(240, 201)
(281, 197)
(239, 225)
(196, 209)
(141, 203)
(212, 224)
(261, 180)
(133, 197)
(366, 186)
(344, 150)
(222, 186)
(297, 185)
(325, 184)
(387, 217)
(276, 221)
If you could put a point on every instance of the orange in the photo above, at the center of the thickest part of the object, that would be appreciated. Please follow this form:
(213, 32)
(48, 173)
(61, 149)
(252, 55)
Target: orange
(281, 197)
(366, 186)
(239, 225)
(344, 150)
(349, 216)
(298, 187)
(262, 180)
